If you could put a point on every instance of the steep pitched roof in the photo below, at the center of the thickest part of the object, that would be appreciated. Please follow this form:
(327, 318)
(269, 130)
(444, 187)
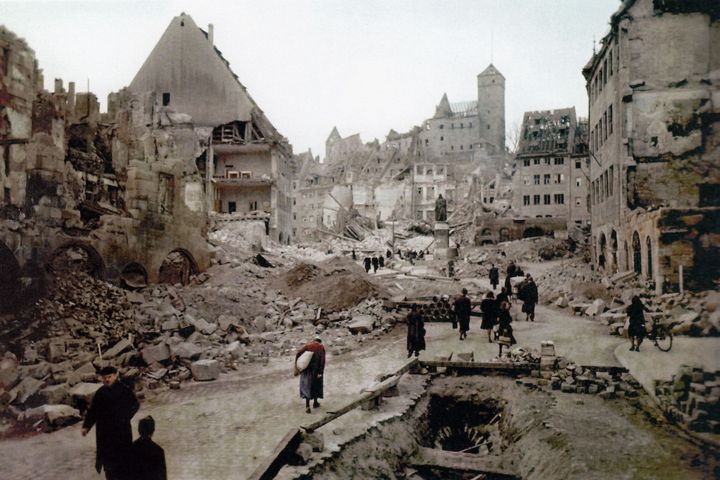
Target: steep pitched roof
(491, 70)
(198, 78)
(443, 109)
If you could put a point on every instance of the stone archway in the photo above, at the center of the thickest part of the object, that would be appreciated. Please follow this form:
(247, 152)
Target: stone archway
(533, 232)
(9, 273)
(134, 275)
(178, 266)
(648, 244)
(75, 257)
(637, 253)
(614, 251)
(602, 251)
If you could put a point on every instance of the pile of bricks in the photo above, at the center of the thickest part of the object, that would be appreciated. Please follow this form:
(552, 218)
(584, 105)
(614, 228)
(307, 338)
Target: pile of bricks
(692, 397)
(561, 374)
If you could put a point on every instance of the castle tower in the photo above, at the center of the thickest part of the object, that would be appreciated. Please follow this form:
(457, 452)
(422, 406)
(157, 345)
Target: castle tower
(491, 107)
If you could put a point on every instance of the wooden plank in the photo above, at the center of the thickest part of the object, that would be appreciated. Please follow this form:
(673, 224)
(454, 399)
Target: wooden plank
(360, 400)
(466, 462)
(272, 464)
(480, 365)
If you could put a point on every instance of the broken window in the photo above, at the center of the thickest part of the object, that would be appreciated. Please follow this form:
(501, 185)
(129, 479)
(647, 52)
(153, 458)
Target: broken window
(559, 198)
(546, 160)
(166, 99)
(546, 199)
(536, 161)
(578, 182)
(536, 199)
(578, 164)
(526, 162)
(536, 179)
(559, 161)
(526, 200)
(526, 180)
(546, 179)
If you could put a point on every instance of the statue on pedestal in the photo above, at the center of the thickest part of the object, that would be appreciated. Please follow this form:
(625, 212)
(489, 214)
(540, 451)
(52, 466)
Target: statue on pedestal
(440, 209)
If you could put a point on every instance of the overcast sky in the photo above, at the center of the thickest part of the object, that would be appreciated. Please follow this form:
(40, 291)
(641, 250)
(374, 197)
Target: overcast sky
(365, 66)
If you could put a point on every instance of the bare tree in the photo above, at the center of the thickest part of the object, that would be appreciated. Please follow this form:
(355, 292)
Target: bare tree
(512, 136)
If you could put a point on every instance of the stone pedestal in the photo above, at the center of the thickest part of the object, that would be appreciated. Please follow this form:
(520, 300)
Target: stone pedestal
(442, 242)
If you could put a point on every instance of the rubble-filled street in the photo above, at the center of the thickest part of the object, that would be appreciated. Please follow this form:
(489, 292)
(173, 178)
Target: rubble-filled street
(491, 291)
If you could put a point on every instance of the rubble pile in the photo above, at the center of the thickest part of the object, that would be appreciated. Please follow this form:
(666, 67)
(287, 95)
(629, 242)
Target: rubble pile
(692, 397)
(334, 285)
(590, 293)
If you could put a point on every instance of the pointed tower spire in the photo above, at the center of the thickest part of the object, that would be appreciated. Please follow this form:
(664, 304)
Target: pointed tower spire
(443, 109)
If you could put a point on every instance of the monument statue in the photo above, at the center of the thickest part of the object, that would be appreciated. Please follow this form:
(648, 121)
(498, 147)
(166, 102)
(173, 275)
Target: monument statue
(440, 209)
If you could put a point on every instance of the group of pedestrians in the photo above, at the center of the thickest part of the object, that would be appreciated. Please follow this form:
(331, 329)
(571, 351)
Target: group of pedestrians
(375, 262)
(112, 407)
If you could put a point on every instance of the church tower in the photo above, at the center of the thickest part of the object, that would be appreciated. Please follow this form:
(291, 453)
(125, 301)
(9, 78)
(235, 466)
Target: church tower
(491, 107)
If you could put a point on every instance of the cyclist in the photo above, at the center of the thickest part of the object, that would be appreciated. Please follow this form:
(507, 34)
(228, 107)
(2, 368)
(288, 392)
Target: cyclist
(636, 330)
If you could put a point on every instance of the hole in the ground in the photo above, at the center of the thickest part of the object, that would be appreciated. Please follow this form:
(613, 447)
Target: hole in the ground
(463, 426)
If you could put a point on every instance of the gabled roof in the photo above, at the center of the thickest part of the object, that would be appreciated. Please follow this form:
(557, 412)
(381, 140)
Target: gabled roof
(491, 70)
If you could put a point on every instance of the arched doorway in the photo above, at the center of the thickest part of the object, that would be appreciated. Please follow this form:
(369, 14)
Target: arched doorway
(637, 254)
(178, 267)
(627, 255)
(614, 251)
(602, 250)
(533, 232)
(76, 257)
(9, 273)
(134, 275)
(486, 232)
(648, 244)
(504, 234)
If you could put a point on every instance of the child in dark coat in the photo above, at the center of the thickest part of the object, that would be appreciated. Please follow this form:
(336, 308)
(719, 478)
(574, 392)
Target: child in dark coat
(148, 458)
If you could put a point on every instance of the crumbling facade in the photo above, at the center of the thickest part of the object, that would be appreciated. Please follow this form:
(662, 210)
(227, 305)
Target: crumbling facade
(551, 171)
(655, 142)
(248, 164)
(116, 196)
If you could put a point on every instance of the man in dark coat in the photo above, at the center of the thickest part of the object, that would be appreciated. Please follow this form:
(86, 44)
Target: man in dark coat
(494, 276)
(381, 261)
(375, 264)
(354, 255)
(311, 379)
(636, 329)
(528, 293)
(415, 332)
(110, 412)
(490, 310)
(148, 458)
(367, 263)
(463, 306)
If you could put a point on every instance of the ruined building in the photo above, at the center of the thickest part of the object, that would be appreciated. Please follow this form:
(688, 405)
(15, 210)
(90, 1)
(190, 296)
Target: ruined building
(551, 167)
(247, 166)
(116, 196)
(458, 128)
(654, 93)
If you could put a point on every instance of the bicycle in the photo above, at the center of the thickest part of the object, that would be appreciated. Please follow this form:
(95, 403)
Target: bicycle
(661, 335)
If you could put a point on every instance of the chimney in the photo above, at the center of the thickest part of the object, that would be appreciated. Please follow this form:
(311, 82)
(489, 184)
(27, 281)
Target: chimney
(71, 98)
(211, 34)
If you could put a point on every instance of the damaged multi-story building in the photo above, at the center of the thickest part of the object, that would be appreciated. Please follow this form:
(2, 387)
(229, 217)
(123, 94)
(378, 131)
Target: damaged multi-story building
(115, 195)
(551, 167)
(247, 166)
(654, 94)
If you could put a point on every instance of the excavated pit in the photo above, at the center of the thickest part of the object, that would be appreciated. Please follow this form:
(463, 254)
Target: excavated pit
(475, 427)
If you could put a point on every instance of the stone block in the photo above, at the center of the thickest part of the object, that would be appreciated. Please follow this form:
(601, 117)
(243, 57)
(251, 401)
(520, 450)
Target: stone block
(54, 394)
(84, 392)
(362, 324)
(547, 348)
(27, 387)
(315, 439)
(187, 350)
(57, 350)
(567, 387)
(204, 370)
(9, 372)
(561, 302)
(55, 415)
(170, 324)
(120, 347)
(156, 353)
(596, 308)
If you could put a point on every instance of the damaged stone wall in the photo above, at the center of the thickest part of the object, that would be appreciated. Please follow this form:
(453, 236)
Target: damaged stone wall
(491, 229)
(107, 194)
(654, 92)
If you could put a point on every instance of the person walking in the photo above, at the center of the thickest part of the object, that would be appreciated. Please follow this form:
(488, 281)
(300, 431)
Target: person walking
(311, 379)
(111, 409)
(489, 309)
(367, 263)
(503, 296)
(505, 330)
(375, 264)
(494, 276)
(354, 256)
(462, 307)
(381, 261)
(148, 458)
(636, 329)
(528, 293)
(415, 332)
